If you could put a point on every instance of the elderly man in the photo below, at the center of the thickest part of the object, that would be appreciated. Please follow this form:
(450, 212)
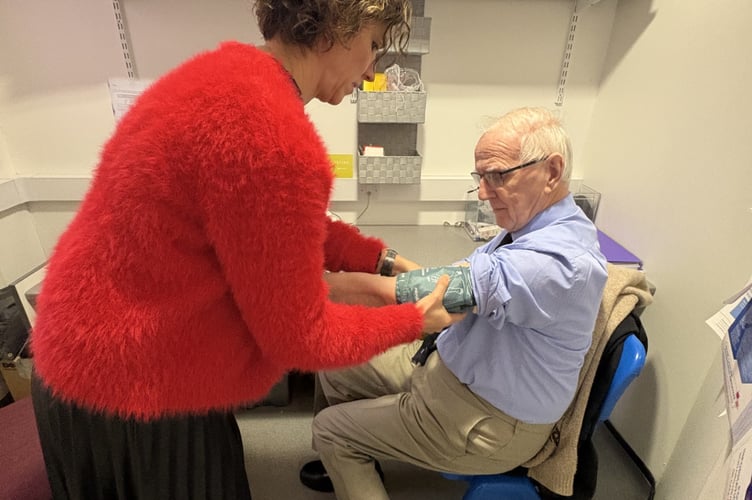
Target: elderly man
(485, 397)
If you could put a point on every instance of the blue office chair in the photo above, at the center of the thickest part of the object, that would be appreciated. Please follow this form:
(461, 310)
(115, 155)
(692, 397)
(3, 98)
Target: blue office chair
(622, 360)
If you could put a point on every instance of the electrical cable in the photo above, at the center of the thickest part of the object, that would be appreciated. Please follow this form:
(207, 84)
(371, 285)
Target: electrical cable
(368, 203)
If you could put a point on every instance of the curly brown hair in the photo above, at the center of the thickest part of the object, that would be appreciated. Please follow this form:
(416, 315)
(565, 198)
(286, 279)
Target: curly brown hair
(306, 22)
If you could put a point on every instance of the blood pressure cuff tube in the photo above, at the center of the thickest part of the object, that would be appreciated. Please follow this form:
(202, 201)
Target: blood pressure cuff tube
(414, 285)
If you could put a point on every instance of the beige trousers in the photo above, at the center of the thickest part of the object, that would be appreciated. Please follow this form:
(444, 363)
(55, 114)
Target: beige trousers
(389, 408)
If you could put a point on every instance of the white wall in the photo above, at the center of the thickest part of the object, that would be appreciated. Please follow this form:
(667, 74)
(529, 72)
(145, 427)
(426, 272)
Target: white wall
(5, 169)
(55, 58)
(25, 253)
(486, 58)
(489, 56)
(669, 148)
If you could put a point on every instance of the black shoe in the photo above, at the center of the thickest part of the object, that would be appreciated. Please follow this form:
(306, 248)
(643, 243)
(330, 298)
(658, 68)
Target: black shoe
(314, 476)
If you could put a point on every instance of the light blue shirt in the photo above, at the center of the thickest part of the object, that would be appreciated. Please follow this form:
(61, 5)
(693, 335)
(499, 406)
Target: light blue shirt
(537, 298)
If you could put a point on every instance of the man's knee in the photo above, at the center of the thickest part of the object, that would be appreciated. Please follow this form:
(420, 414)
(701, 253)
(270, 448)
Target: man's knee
(326, 379)
(336, 386)
(321, 428)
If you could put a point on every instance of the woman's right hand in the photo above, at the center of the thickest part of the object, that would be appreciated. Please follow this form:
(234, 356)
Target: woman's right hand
(435, 315)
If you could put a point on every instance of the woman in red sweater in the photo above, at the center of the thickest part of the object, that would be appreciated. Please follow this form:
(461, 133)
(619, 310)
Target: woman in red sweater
(190, 279)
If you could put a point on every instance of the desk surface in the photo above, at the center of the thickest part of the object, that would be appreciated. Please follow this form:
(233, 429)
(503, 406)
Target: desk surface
(427, 245)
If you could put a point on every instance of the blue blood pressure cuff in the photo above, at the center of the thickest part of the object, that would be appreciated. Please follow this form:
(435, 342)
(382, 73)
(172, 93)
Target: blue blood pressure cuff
(414, 285)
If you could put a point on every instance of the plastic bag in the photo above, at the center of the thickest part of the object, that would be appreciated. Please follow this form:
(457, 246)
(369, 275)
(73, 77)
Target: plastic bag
(402, 79)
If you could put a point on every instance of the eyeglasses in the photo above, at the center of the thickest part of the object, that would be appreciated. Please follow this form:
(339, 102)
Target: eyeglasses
(495, 178)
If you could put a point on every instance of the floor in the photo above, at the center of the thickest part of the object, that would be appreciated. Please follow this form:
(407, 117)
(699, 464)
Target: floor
(278, 442)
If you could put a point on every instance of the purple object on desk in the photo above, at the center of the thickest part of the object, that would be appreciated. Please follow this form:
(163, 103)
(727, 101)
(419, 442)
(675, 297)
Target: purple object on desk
(617, 254)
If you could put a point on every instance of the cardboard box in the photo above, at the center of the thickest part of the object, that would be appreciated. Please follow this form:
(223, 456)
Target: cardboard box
(17, 376)
(15, 365)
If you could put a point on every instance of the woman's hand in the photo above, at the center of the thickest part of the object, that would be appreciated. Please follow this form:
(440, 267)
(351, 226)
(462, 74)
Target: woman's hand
(435, 316)
(361, 288)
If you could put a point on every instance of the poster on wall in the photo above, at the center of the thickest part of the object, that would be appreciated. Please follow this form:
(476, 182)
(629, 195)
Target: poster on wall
(739, 474)
(124, 92)
(733, 323)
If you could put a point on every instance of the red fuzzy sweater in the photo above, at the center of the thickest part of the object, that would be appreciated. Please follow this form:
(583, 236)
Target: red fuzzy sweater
(191, 277)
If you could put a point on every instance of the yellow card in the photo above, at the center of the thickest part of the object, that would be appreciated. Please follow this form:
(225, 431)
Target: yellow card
(377, 85)
(343, 166)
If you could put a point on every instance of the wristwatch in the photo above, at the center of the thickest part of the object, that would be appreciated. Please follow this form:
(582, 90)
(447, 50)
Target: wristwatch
(388, 263)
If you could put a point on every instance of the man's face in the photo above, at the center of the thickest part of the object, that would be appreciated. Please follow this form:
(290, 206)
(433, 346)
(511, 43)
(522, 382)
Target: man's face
(522, 193)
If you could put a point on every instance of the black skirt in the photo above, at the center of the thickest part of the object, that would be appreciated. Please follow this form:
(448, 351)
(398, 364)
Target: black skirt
(93, 456)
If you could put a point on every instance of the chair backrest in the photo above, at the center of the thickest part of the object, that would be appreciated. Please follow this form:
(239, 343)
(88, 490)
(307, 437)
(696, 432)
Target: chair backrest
(622, 360)
(630, 365)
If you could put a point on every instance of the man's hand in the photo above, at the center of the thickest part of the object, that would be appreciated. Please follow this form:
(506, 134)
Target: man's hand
(435, 316)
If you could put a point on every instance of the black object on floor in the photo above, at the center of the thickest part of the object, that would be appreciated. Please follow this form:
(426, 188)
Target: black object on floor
(314, 476)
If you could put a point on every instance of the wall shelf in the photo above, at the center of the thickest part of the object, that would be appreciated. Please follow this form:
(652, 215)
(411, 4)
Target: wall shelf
(391, 107)
(420, 34)
(390, 119)
(390, 169)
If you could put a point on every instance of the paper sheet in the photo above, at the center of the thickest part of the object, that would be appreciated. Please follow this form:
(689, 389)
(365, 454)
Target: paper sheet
(733, 324)
(721, 321)
(124, 92)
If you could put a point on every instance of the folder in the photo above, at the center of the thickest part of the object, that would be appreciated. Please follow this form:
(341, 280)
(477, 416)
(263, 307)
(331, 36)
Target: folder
(617, 254)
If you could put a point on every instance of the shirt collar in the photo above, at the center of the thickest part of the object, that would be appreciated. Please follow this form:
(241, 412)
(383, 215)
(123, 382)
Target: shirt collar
(565, 206)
